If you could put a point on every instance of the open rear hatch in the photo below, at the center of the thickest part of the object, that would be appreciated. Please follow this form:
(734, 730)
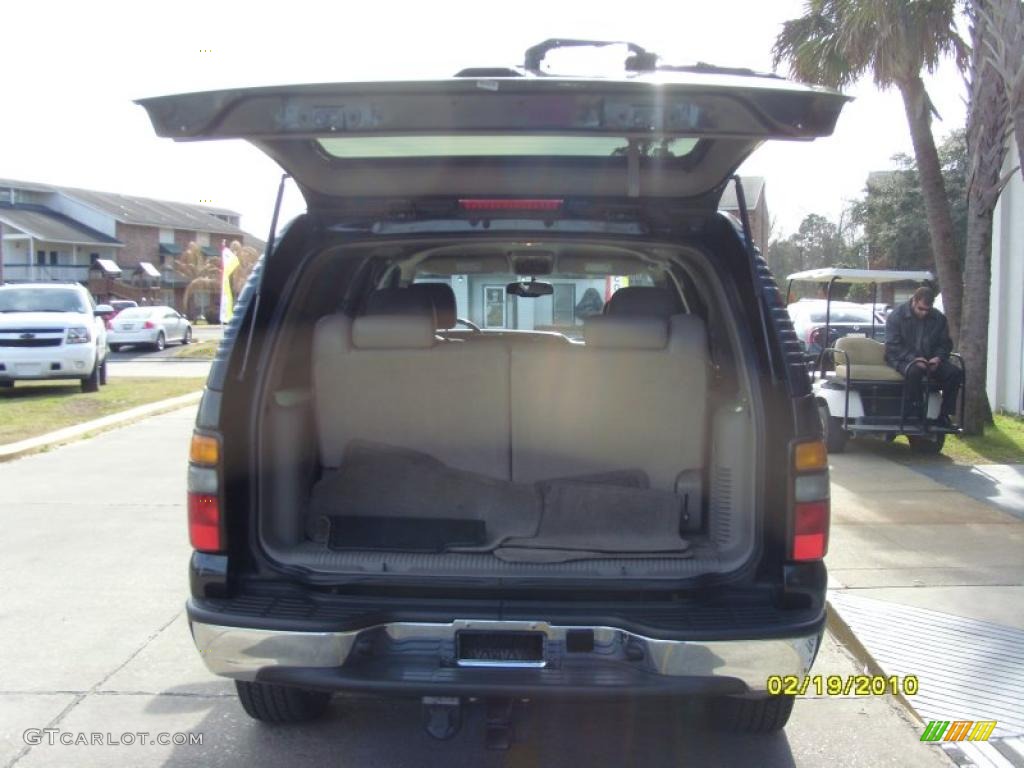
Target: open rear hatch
(486, 138)
(659, 132)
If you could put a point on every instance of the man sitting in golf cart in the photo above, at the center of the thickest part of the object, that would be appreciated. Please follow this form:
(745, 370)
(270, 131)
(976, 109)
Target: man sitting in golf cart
(917, 344)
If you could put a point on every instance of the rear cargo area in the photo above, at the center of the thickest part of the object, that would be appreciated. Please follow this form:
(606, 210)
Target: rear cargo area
(621, 448)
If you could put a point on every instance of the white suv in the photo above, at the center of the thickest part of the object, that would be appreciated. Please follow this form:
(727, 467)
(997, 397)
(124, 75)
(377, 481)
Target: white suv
(52, 331)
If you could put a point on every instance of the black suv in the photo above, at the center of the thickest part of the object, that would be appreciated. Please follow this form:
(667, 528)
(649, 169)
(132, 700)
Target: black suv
(512, 411)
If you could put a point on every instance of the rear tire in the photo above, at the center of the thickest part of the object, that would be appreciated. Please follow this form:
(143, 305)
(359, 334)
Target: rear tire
(279, 703)
(103, 372)
(91, 383)
(766, 714)
(6, 385)
(929, 446)
(832, 430)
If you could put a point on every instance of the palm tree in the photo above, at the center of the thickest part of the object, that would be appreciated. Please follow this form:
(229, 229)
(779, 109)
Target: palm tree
(989, 122)
(202, 273)
(836, 42)
(247, 258)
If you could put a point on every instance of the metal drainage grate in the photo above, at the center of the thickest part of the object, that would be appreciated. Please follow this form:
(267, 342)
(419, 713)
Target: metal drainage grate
(967, 669)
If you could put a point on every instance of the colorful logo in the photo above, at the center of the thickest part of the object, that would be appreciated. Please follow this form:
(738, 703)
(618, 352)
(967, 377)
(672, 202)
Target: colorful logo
(958, 730)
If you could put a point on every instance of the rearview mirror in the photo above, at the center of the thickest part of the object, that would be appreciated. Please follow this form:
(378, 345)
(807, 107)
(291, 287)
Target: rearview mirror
(530, 290)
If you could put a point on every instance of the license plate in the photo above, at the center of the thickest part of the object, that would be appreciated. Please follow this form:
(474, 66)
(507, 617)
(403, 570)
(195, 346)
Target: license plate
(127, 327)
(29, 369)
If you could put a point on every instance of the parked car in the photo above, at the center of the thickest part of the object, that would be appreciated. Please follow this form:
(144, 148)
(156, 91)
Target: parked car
(149, 326)
(52, 331)
(119, 306)
(389, 504)
(845, 319)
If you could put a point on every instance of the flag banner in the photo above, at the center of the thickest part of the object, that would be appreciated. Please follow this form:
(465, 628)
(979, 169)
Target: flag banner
(229, 263)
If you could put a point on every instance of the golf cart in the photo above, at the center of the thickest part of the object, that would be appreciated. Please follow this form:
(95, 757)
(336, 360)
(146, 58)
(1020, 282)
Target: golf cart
(857, 392)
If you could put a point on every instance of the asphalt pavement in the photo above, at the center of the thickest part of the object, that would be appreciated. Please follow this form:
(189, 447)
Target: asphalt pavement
(95, 645)
(142, 362)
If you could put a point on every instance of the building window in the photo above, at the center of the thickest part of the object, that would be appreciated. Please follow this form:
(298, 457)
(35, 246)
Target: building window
(203, 239)
(167, 236)
(494, 306)
(563, 305)
(40, 257)
(53, 258)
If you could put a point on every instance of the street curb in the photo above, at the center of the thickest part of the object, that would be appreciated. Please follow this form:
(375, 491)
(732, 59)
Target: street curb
(70, 434)
(844, 634)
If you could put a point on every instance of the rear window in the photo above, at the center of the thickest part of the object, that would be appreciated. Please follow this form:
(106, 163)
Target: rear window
(131, 312)
(41, 300)
(356, 147)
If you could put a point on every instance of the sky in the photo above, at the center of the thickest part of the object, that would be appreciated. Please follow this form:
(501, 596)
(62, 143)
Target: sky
(73, 69)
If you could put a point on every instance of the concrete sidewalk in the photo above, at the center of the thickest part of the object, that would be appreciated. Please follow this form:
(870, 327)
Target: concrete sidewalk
(930, 580)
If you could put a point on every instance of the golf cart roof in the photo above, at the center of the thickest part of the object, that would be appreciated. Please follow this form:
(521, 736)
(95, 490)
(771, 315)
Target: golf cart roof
(877, 276)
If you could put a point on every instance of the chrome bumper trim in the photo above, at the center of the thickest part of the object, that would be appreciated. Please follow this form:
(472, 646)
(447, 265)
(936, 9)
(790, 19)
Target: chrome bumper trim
(241, 653)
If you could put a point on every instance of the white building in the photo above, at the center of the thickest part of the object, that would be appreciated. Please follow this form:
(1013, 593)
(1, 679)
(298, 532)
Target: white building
(1006, 308)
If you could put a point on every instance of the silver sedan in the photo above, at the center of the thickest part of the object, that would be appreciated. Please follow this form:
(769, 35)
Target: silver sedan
(154, 327)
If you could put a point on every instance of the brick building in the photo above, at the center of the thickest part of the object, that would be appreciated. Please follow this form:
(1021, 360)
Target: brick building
(66, 234)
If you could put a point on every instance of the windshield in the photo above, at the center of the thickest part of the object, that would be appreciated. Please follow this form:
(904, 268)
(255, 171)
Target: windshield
(843, 315)
(482, 300)
(41, 300)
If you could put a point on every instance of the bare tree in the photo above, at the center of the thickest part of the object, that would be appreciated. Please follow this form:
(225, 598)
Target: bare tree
(202, 273)
(247, 258)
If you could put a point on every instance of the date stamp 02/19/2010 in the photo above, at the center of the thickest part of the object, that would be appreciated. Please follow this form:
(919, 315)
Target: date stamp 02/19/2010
(841, 685)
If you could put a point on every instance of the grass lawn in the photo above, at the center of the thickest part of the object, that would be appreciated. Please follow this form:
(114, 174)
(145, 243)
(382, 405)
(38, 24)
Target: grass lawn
(1001, 444)
(35, 408)
(201, 350)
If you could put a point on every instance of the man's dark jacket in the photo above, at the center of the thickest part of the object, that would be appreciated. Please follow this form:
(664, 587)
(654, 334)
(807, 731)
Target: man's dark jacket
(906, 337)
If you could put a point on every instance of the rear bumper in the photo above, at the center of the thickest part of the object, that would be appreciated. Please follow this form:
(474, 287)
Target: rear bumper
(132, 337)
(419, 658)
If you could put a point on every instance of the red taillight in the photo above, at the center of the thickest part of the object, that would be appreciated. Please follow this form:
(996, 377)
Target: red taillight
(149, 325)
(810, 530)
(500, 204)
(204, 522)
(810, 499)
(814, 337)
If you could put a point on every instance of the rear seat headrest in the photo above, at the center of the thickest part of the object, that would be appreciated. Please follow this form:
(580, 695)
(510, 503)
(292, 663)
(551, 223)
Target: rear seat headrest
(399, 301)
(644, 301)
(603, 332)
(442, 297)
(393, 332)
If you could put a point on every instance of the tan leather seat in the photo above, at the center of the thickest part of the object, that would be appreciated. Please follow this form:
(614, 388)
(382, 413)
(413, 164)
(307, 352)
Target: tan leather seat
(866, 358)
(633, 397)
(387, 379)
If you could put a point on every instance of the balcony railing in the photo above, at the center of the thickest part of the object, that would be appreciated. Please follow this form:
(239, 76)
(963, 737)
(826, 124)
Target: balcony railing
(66, 273)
